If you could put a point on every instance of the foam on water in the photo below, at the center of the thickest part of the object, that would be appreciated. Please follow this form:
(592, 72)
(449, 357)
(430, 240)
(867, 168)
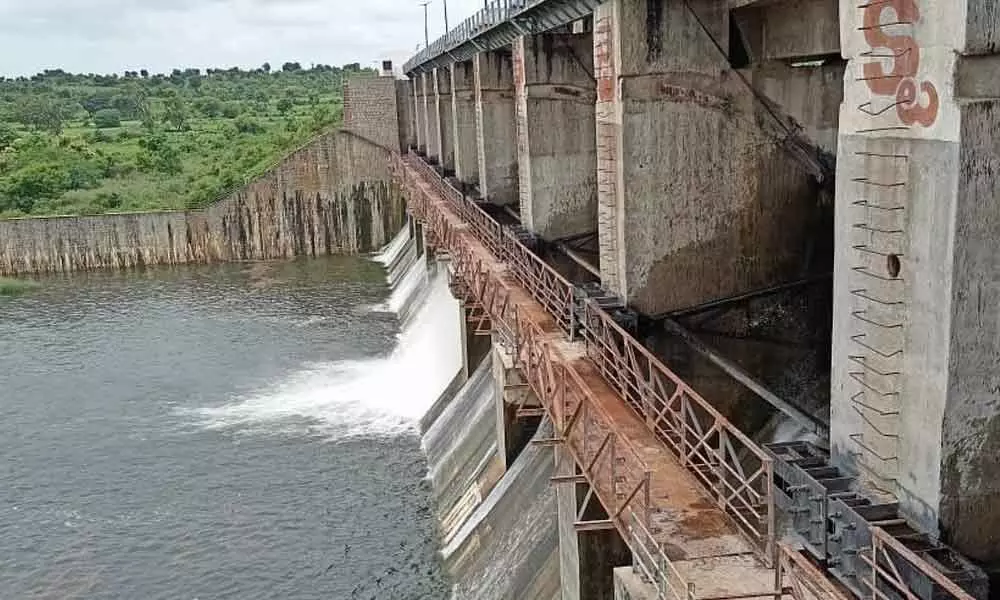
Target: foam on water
(380, 397)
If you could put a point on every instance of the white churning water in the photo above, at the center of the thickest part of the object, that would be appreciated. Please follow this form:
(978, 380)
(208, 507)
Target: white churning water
(383, 396)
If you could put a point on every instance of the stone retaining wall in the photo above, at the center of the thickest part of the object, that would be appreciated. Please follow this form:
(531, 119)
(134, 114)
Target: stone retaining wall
(333, 196)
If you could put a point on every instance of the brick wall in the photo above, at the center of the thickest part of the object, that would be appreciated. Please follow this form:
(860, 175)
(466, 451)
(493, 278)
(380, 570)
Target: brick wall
(370, 109)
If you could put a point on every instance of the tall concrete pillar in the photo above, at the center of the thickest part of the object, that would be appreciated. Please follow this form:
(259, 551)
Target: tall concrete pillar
(496, 137)
(404, 106)
(427, 108)
(566, 507)
(587, 559)
(445, 118)
(417, 88)
(513, 431)
(916, 353)
(556, 142)
(463, 97)
(697, 200)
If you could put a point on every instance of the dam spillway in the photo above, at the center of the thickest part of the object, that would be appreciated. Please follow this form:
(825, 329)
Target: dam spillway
(730, 263)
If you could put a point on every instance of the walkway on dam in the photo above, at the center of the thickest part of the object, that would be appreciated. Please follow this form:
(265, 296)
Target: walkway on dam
(680, 535)
(691, 495)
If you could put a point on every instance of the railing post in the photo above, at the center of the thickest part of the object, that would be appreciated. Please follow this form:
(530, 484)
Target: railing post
(647, 401)
(873, 582)
(682, 414)
(647, 515)
(614, 466)
(772, 551)
(720, 467)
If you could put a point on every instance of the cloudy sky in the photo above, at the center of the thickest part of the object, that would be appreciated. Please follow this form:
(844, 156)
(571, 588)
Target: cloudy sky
(105, 36)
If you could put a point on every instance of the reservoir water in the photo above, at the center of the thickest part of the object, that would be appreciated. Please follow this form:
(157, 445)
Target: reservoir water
(238, 431)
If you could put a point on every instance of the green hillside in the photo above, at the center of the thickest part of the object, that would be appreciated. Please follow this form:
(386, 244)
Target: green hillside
(86, 144)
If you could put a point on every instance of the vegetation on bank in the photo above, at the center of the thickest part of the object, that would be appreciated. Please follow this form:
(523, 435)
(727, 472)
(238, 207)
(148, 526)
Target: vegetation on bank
(89, 144)
(15, 287)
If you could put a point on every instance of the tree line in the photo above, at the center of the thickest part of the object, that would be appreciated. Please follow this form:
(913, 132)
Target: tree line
(72, 143)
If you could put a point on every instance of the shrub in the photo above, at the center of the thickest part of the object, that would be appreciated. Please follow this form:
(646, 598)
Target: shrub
(107, 118)
(97, 137)
(248, 125)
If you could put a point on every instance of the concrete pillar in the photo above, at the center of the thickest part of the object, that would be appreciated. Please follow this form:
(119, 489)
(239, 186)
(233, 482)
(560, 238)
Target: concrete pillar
(587, 559)
(427, 87)
(495, 131)
(445, 118)
(513, 431)
(566, 507)
(916, 352)
(697, 200)
(420, 133)
(463, 97)
(404, 106)
(475, 346)
(557, 153)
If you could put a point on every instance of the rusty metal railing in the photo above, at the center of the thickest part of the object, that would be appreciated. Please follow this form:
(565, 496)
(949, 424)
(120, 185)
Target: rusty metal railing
(546, 286)
(736, 471)
(889, 559)
(613, 467)
(799, 579)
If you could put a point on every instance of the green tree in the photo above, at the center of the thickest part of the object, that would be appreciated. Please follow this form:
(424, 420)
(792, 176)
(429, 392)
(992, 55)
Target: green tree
(43, 114)
(175, 112)
(248, 125)
(159, 155)
(285, 105)
(107, 118)
(33, 183)
(8, 135)
(95, 102)
(209, 106)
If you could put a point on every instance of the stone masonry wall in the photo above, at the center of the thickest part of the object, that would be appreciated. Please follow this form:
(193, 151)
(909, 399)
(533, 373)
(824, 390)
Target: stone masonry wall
(370, 109)
(331, 197)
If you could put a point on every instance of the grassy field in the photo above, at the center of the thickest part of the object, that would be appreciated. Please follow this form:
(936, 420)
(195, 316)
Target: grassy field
(89, 144)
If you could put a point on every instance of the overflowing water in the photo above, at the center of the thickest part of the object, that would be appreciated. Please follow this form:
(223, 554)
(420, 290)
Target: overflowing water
(238, 431)
(498, 528)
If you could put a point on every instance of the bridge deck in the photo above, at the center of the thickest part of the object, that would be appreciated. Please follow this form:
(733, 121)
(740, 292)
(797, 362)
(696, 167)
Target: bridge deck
(701, 546)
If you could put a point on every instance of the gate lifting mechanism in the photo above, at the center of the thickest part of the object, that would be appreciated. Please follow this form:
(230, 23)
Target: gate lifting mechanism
(866, 546)
(865, 543)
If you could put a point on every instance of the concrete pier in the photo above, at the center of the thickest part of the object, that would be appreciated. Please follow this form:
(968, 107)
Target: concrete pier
(445, 125)
(517, 407)
(699, 189)
(556, 140)
(915, 407)
(430, 117)
(496, 138)
(419, 114)
(463, 85)
(721, 159)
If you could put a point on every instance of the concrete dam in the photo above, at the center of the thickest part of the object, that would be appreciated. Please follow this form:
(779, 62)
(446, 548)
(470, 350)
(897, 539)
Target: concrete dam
(712, 280)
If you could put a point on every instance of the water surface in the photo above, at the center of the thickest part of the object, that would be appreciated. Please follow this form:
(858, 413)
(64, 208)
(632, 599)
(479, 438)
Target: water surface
(238, 431)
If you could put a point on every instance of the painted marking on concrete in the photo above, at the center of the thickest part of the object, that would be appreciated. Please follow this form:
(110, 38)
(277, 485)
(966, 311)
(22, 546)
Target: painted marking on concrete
(917, 103)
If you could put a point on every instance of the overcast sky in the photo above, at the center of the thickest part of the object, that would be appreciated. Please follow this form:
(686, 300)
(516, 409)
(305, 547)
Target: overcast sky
(107, 36)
